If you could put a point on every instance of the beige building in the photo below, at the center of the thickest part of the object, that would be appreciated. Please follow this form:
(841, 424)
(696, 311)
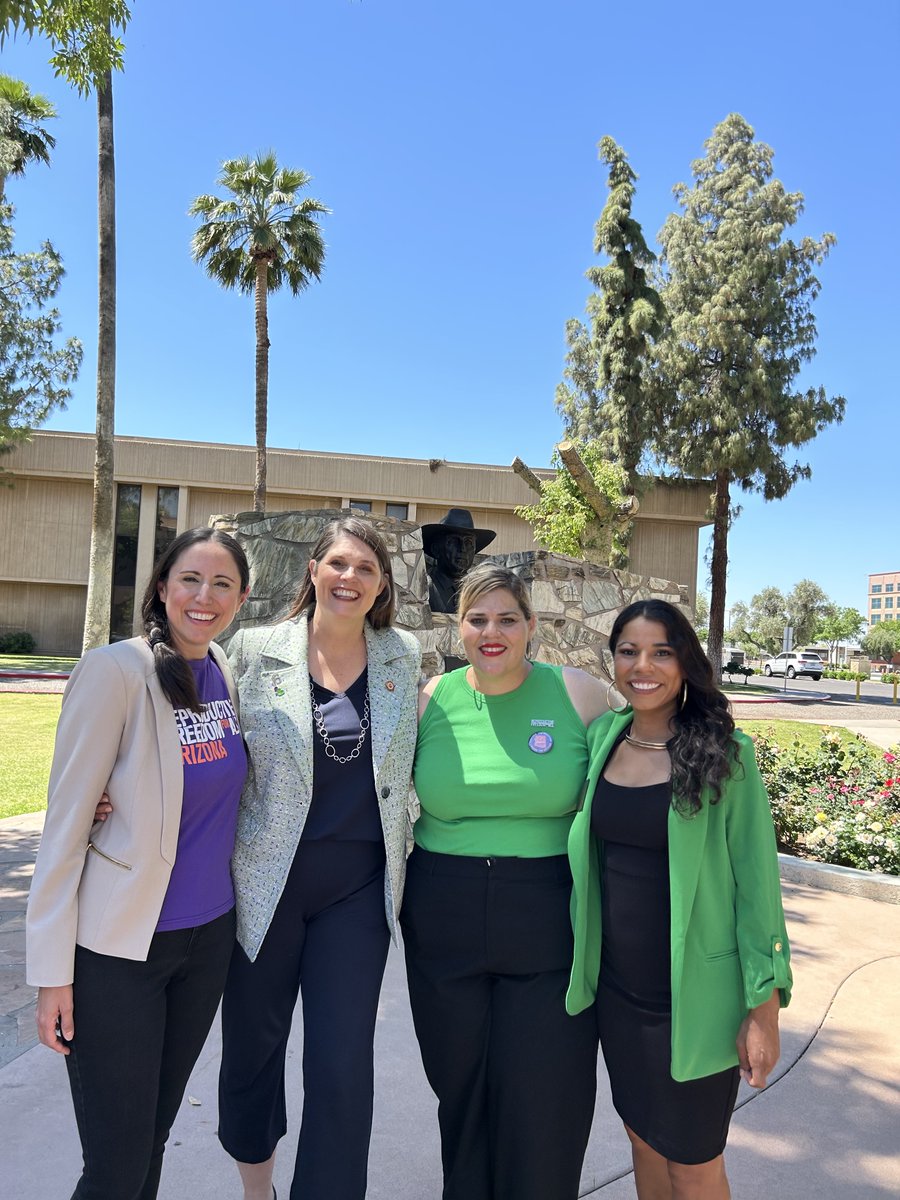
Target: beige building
(884, 597)
(166, 486)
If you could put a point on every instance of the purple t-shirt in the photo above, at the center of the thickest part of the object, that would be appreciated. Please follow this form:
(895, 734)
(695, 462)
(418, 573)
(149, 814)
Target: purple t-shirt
(215, 765)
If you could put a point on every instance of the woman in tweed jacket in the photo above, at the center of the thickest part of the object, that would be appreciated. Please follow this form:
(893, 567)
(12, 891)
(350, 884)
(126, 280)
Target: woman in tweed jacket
(328, 705)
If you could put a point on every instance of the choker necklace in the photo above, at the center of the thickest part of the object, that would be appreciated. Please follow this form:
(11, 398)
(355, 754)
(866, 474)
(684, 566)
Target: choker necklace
(633, 741)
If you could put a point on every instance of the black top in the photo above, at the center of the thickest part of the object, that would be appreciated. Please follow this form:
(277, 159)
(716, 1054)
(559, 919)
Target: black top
(344, 805)
(631, 826)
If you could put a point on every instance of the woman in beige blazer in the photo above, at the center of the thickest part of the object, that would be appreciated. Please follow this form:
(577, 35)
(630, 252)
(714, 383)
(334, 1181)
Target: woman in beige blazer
(130, 924)
(328, 705)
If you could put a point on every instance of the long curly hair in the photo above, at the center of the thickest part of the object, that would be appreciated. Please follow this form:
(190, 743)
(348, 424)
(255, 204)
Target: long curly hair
(703, 749)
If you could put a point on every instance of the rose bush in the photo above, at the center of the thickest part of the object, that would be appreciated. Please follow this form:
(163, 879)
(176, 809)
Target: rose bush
(839, 802)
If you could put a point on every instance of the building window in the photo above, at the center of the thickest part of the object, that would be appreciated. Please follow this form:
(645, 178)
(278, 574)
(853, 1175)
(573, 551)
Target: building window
(166, 520)
(875, 618)
(128, 511)
(888, 587)
(365, 505)
(400, 512)
(889, 602)
(875, 604)
(876, 587)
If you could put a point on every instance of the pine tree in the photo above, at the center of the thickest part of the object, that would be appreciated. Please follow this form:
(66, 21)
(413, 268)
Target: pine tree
(610, 397)
(739, 295)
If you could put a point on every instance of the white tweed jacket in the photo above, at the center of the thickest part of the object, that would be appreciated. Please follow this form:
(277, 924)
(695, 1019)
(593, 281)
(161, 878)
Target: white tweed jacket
(270, 665)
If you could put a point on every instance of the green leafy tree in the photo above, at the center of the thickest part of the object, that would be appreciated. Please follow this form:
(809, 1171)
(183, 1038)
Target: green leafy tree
(564, 522)
(607, 394)
(739, 296)
(882, 640)
(86, 50)
(839, 625)
(258, 239)
(806, 605)
(767, 619)
(701, 616)
(23, 137)
(36, 371)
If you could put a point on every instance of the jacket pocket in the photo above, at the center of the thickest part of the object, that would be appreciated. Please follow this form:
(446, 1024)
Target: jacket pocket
(117, 862)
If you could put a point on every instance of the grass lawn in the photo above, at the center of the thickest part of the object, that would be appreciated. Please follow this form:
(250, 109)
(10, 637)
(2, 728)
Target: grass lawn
(29, 723)
(35, 662)
(785, 733)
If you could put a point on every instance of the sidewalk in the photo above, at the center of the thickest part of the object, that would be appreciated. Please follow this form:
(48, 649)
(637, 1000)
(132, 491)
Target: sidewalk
(826, 1129)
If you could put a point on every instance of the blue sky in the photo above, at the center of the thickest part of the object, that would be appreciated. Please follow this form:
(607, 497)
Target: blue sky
(455, 141)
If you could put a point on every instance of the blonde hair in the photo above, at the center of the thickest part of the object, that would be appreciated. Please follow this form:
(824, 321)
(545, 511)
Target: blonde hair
(487, 577)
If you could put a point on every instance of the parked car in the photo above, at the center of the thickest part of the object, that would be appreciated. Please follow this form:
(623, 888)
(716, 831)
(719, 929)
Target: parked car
(794, 663)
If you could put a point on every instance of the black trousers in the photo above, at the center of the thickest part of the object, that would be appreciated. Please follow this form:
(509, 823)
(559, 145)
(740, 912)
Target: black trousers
(139, 1029)
(488, 953)
(328, 940)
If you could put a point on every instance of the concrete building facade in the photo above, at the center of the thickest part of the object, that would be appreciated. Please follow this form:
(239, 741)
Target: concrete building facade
(165, 486)
(884, 597)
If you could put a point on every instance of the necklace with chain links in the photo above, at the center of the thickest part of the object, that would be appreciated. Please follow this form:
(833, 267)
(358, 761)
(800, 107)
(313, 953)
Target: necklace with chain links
(319, 719)
(633, 741)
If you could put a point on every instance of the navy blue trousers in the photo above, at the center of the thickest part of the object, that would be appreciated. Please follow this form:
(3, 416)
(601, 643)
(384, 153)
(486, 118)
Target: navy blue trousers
(328, 940)
(488, 952)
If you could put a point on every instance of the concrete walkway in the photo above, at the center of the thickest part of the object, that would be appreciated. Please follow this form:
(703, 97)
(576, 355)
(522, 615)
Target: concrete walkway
(826, 1128)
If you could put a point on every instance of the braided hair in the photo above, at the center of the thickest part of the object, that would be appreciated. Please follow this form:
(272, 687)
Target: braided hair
(172, 670)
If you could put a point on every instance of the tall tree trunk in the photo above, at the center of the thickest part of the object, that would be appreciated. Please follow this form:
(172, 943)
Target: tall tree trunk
(719, 572)
(262, 381)
(99, 594)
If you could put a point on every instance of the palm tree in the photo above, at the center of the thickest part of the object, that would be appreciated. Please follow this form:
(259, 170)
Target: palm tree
(257, 240)
(23, 138)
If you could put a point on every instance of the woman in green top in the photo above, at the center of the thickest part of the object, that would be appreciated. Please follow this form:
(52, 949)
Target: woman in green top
(500, 769)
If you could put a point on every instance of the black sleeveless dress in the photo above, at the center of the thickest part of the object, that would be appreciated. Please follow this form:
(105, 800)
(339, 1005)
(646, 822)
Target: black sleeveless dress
(685, 1122)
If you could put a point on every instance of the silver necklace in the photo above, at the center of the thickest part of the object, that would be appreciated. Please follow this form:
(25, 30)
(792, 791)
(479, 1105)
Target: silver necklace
(633, 741)
(319, 719)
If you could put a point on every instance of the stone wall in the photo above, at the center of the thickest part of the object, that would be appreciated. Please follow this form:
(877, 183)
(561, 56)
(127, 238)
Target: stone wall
(575, 602)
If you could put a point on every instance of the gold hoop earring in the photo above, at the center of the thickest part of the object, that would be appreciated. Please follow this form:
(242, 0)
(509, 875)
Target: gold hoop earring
(684, 695)
(609, 688)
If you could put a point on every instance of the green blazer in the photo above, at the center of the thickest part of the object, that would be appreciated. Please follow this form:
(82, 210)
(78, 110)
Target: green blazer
(728, 941)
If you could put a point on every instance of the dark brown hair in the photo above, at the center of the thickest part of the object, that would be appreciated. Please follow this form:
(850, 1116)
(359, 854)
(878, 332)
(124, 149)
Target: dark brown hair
(381, 614)
(702, 749)
(175, 676)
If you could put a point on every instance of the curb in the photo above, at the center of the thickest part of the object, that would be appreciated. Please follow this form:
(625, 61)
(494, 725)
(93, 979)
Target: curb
(870, 885)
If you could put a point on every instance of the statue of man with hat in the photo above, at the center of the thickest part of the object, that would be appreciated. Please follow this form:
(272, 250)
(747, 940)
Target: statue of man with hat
(451, 544)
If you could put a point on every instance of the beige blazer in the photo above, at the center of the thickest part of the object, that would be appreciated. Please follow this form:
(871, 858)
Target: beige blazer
(103, 885)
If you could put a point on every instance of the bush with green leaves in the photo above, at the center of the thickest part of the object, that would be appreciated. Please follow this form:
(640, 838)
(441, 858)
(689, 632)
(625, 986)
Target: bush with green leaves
(17, 643)
(838, 803)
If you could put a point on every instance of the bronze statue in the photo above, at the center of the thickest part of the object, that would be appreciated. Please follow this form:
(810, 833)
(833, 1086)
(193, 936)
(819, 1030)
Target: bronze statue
(451, 544)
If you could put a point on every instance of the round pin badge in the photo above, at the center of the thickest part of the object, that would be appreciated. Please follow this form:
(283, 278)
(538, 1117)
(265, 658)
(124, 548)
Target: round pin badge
(540, 743)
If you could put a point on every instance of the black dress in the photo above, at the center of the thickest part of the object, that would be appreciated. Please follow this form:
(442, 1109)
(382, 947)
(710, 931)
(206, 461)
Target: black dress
(685, 1122)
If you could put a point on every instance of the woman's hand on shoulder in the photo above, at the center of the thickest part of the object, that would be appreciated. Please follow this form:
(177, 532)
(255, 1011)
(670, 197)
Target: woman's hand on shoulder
(54, 1015)
(587, 693)
(758, 1042)
(426, 691)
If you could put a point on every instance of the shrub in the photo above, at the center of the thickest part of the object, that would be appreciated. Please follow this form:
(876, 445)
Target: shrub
(736, 668)
(890, 677)
(17, 643)
(838, 803)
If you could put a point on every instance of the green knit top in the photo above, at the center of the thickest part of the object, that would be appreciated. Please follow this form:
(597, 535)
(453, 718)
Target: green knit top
(500, 775)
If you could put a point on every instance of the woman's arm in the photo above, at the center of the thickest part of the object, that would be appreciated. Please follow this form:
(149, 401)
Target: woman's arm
(759, 917)
(587, 694)
(758, 1042)
(54, 1016)
(88, 736)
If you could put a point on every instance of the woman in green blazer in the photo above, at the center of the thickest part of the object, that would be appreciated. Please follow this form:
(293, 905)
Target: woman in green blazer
(676, 906)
